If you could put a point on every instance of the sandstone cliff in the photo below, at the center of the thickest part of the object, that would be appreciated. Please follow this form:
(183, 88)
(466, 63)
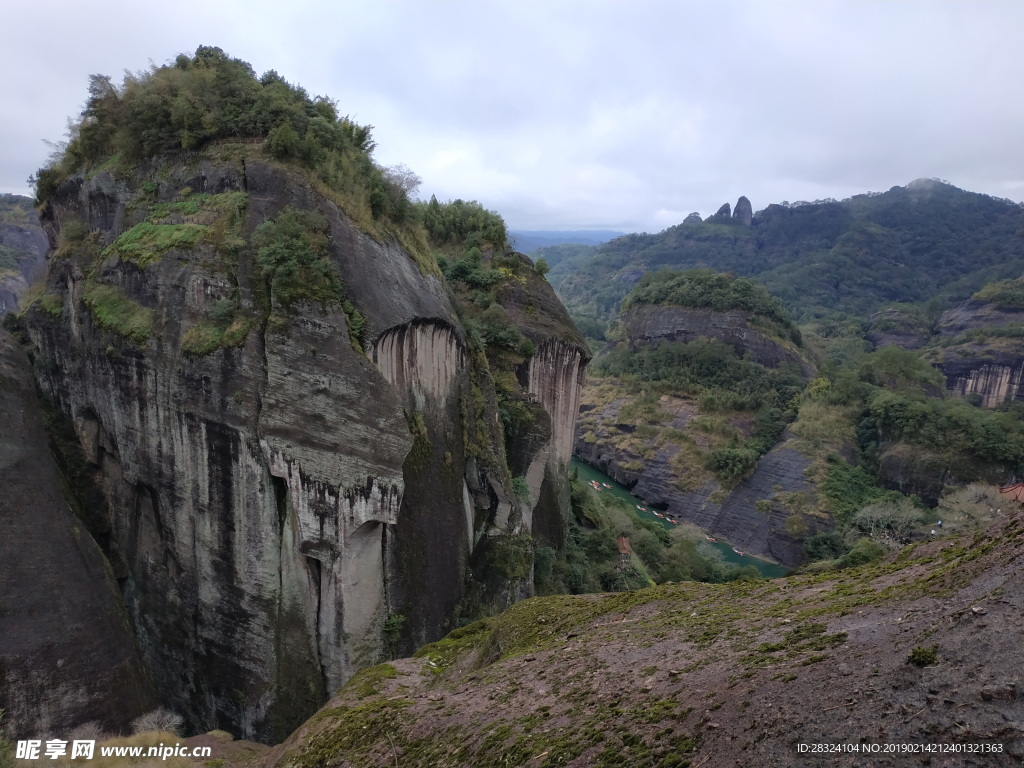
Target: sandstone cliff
(23, 249)
(67, 648)
(981, 352)
(553, 379)
(282, 487)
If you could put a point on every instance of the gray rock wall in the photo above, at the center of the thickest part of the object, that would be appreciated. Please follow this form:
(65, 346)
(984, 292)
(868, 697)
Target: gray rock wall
(67, 650)
(251, 491)
(29, 245)
(993, 381)
(269, 505)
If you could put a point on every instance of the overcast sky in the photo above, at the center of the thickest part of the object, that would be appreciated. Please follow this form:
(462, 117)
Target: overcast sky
(621, 115)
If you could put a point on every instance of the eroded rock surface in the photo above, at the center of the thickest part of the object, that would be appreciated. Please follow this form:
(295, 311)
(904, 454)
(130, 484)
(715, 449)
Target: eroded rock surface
(28, 245)
(985, 360)
(270, 501)
(67, 649)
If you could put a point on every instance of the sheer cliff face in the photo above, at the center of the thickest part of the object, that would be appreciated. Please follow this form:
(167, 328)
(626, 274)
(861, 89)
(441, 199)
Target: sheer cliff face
(994, 380)
(556, 380)
(990, 365)
(424, 359)
(553, 378)
(67, 653)
(269, 503)
(28, 245)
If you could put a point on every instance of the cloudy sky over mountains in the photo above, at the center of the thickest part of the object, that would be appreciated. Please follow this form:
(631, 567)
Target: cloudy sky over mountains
(585, 115)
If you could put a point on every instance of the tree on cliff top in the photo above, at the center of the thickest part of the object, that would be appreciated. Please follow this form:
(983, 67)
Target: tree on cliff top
(458, 226)
(208, 96)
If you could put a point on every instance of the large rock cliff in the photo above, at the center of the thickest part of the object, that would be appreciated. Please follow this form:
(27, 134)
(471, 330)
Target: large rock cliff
(24, 245)
(552, 378)
(283, 489)
(980, 350)
(67, 649)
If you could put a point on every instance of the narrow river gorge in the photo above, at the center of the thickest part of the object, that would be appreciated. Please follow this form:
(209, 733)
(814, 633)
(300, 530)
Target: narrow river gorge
(589, 474)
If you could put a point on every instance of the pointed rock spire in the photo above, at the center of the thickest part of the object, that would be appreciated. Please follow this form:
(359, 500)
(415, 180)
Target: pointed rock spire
(743, 211)
(724, 211)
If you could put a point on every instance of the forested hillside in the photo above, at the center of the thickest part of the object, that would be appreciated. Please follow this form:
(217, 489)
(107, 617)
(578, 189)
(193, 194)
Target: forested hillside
(926, 241)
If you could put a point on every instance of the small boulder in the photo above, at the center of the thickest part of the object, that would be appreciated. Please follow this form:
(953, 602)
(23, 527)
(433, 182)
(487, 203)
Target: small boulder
(1003, 692)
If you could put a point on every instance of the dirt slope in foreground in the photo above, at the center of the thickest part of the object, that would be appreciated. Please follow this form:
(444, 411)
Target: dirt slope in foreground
(721, 675)
(708, 675)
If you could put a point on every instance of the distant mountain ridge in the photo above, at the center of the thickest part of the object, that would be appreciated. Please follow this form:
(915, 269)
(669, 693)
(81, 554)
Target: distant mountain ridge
(927, 239)
(528, 241)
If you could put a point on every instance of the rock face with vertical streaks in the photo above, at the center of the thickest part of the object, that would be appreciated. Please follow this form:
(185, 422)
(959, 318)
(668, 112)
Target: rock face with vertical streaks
(270, 490)
(24, 245)
(67, 650)
(982, 354)
(553, 377)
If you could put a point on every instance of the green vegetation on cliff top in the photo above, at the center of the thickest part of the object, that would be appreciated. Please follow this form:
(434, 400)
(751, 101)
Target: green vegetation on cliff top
(707, 289)
(208, 97)
(1005, 294)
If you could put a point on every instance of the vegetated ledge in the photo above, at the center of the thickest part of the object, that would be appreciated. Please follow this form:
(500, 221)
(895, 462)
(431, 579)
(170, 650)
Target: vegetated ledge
(680, 674)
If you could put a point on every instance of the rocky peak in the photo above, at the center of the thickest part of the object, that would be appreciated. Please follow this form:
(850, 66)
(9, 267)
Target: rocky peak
(743, 211)
(723, 212)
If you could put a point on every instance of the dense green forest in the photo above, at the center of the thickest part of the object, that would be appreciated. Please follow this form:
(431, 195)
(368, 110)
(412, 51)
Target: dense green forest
(926, 241)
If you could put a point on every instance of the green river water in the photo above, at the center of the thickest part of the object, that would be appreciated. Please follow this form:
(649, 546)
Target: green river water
(588, 473)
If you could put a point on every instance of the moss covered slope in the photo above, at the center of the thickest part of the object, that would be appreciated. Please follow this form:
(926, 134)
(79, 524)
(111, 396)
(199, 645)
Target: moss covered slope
(678, 674)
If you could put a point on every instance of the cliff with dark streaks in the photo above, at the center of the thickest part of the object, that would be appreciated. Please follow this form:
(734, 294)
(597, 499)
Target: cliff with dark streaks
(23, 249)
(67, 650)
(980, 350)
(274, 483)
